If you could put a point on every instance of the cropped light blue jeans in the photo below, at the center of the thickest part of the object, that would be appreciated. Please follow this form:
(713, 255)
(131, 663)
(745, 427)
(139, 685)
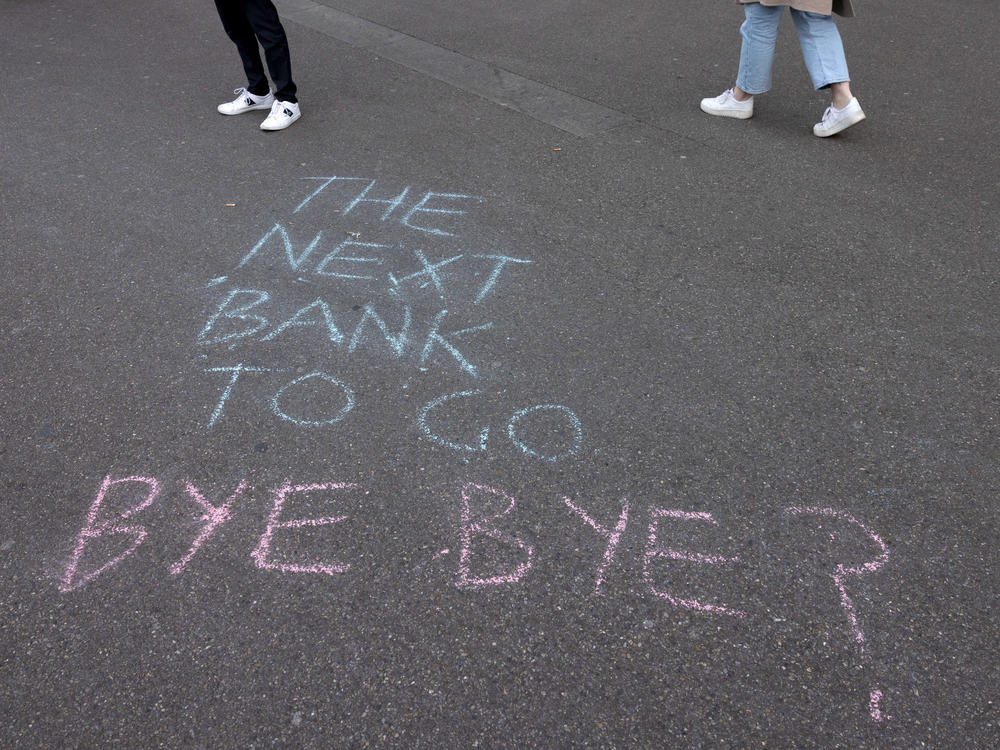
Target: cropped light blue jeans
(822, 47)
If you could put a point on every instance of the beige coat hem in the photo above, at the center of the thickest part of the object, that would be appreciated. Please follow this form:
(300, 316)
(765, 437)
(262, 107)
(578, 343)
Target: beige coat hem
(826, 7)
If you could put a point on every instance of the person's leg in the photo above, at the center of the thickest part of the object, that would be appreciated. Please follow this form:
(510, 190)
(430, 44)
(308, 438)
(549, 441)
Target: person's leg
(760, 33)
(823, 51)
(840, 93)
(238, 29)
(263, 18)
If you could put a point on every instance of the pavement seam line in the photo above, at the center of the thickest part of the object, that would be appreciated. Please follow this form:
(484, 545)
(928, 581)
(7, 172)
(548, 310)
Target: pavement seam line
(562, 110)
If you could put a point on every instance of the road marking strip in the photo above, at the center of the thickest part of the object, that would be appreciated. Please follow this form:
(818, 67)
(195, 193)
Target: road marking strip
(559, 109)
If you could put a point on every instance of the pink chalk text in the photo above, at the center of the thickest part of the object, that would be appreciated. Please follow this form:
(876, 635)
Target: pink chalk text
(214, 517)
(487, 527)
(653, 550)
(841, 574)
(490, 553)
(262, 555)
(613, 538)
(111, 526)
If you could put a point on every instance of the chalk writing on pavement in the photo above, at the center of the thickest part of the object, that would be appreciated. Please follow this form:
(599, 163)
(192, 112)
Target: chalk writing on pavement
(509, 560)
(365, 272)
(427, 295)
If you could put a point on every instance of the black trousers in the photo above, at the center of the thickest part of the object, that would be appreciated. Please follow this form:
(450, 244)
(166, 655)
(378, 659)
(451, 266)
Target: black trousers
(248, 22)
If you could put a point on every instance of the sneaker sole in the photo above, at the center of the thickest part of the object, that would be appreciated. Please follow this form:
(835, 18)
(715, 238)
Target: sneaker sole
(734, 113)
(243, 111)
(841, 126)
(280, 127)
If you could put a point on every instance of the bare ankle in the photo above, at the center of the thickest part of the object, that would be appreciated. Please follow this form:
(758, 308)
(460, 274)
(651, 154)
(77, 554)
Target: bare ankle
(841, 94)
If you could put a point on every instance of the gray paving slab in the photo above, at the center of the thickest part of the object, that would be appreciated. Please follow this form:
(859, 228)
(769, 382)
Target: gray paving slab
(505, 400)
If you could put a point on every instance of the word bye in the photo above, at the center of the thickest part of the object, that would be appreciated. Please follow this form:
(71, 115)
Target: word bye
(476, 569)
(474, 525)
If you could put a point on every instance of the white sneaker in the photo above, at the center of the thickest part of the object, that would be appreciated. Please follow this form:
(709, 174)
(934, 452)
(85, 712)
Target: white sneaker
(245, 102)
(726, 105)
(835, 120)
(282, 115)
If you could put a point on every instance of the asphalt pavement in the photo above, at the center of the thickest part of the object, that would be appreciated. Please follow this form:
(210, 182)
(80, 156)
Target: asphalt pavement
(505, 399)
